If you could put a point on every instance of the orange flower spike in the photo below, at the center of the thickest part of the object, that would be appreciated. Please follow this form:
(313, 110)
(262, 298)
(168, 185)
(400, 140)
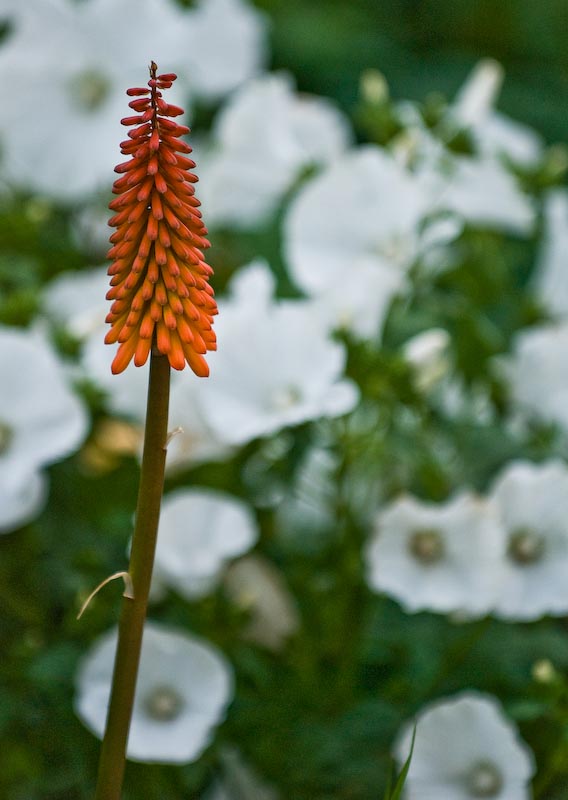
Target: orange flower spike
(158, 273)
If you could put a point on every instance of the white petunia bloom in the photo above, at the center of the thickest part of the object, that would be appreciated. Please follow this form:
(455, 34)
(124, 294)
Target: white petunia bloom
(485, 194)
(263, 138)
(494, 134)
(255, 585)
(428, 355)
(32, 434)
(23, 502)
(194, 441)
(440, 558)
(479, 189)
(125, 393)
(352, 233)
(538, 373)
(200, 531)
(81, 95)
(76, 300)
(532, 503)
(465, 748)
(184, 687)
(276, 364)
(226, 46)
(551, 278)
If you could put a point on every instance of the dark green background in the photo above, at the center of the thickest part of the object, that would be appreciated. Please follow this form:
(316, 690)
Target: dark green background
(427, 45)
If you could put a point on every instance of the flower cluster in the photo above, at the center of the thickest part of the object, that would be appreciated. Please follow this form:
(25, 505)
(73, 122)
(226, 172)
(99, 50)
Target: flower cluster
(160, 291)
(505, 554)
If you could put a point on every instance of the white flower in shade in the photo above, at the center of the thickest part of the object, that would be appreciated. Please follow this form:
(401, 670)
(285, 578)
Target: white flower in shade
(551, 279)
(276, 364)
(263, 138)
(213, 48)
(475, 100)
(125, 393)
(255, 585)
(81, 95)
(32, 434)
(184, 687)
(225, 45)
(484, 194)
(194, 441)
(532, 503)
(200, 531)
(90, 229)
(538, 373)
(428, 354)
(466, 748)
(494, 134)
(437, 557)
(478, 189)
(240, 780)
(351, 234)
(21, 502)
(77, 300)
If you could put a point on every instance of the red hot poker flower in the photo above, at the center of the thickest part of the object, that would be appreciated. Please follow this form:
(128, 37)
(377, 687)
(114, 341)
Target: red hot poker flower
(159, 278)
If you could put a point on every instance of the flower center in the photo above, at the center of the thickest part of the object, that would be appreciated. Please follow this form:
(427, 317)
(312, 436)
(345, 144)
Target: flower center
(526, 546)
(484, 780)
(6, 436)
(89, 89)
(286, 397)
(427, 546)
(163, 704)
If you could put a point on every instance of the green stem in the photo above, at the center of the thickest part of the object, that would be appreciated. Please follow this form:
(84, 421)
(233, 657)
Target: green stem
(133, 614)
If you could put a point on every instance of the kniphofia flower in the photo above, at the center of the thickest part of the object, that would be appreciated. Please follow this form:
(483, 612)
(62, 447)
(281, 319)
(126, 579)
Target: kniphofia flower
(159, 278)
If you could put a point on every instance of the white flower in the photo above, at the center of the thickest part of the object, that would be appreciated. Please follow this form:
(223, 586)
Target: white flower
(77, 300)
(276, 365)
(184, 687)
(466, 748)
(532, 502)
(479, 189)
(194, 440)
(427, 352)
(226, 45)
(125, 393)
(240, 780)
(22, 502)
(32, 434)
(200, 531)
(494, 134)
(264, 137)
(352, 232)
(255, 585)
(484, 194)
(538, 373)
(475, 99)
(551, 277)
(81, 95)
(436, 557)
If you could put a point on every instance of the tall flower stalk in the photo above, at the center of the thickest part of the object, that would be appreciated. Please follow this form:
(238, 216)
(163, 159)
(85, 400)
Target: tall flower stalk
(163, 308)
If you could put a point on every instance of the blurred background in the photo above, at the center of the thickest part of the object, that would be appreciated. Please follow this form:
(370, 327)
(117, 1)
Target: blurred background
(365, 519)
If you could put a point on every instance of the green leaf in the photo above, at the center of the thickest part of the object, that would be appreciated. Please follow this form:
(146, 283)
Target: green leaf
(396, 793)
